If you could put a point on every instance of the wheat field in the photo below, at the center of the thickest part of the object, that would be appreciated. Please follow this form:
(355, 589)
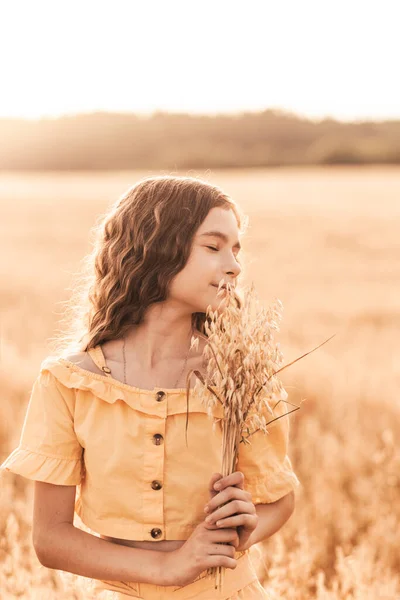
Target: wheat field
(326, 242)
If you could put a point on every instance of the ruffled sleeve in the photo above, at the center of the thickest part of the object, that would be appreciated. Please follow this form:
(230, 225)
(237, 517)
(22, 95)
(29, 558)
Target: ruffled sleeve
(48, 449)
(265, 462)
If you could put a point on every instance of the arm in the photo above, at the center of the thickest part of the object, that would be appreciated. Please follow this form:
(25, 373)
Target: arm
(60, 545)
(272, 517)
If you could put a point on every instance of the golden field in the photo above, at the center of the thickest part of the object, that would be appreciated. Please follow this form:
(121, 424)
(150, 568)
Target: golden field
(326, 242)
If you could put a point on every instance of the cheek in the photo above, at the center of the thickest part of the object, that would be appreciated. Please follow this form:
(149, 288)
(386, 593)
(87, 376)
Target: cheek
(194, 281)
(191, 281)
(201, 266)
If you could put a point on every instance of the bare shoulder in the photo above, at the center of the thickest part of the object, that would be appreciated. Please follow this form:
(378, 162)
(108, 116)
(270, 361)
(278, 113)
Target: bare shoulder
(83, 360)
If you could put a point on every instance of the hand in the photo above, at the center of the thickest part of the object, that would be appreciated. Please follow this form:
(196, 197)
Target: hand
(239, 511)
(205, 548)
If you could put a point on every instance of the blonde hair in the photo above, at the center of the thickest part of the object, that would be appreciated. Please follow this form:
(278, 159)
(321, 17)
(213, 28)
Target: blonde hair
(140, 244)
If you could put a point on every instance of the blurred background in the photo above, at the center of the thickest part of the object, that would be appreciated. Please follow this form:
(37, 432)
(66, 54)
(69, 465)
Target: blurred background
(294, 110)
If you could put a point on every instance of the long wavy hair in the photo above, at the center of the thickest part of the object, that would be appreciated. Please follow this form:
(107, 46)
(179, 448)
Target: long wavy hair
(139, 245)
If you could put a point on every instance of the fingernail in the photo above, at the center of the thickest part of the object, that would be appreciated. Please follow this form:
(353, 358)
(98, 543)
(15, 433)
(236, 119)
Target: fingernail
(206, 509)
(217, 486)
(208, 519)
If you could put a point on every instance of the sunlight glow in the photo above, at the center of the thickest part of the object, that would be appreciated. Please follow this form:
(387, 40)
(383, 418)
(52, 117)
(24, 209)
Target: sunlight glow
(310, 58)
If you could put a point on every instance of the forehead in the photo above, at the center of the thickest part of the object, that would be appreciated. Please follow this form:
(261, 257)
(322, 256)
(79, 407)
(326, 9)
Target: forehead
(220, 219)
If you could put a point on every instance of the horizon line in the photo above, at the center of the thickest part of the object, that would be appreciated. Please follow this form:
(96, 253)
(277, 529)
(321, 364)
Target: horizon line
(159, 111)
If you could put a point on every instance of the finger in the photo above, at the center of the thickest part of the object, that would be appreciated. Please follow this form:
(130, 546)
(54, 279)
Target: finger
(234, 479)
(231, 508)
(245, 520)
(214, 478)
(210, 525)
(230, 493)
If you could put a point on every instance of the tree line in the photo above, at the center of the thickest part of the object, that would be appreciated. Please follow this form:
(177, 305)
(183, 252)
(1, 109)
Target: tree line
(164, 140)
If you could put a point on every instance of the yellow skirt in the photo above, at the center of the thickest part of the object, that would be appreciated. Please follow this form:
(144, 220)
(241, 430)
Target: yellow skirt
(238, 584)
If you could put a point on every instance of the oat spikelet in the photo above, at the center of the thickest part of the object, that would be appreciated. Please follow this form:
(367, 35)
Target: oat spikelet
(242, 361)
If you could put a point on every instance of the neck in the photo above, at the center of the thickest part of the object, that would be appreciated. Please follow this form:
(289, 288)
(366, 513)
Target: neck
(153, 344)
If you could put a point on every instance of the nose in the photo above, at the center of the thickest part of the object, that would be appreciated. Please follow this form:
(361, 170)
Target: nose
(235, 269)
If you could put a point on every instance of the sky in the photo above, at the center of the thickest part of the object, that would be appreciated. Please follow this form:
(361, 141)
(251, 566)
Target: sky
(316, 59)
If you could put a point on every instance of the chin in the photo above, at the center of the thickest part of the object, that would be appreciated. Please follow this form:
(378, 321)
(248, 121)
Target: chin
(216, 303)
(217, 306)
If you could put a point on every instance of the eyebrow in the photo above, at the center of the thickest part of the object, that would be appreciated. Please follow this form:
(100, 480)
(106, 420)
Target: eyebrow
(220, 235)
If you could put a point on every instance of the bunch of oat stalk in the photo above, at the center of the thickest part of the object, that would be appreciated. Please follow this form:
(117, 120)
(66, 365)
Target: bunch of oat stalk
(242, 361)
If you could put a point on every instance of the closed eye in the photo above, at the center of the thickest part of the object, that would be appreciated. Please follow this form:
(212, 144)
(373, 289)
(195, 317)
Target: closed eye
(217, 249)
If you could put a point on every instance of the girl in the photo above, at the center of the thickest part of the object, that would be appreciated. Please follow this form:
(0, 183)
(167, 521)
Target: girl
(106, 415)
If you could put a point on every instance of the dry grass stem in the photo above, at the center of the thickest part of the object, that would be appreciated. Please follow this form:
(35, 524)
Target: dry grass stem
(242, 361)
